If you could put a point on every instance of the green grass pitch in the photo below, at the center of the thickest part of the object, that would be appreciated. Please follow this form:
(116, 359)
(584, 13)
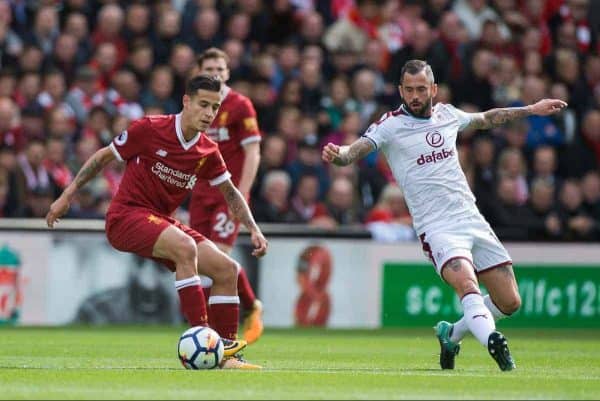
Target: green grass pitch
(140, 363)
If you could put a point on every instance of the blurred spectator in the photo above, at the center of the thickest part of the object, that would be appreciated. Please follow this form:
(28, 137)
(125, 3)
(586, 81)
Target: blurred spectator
(31, 172)
(544, 224)
(55, 162)
(181, 61)
(64, 56)
(76, 25)
(53, 91)
(274, 206)
(590, 131)
(273, 155)
(423, 45)
(38, 201)
(33, 122)
(305, 203)
(11, 132)
(364, 91)
(11, 44)
(590, 188)
(28, 88)
(159, 91)
(475, 86)
(474, 14)
(109, 24)
(105, 62)
(264, 102)
(137, 22)
(205, 32)
(308, 161)
(124, 95)
(508, 215)
(511, 164)
(141, 60)
(578, 224)
(389, 220)
(545, 164)
(45, 29)
(342, 205)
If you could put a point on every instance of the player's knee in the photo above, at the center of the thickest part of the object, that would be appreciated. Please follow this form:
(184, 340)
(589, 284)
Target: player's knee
(512, 304)
(227, 272)
(186, 252)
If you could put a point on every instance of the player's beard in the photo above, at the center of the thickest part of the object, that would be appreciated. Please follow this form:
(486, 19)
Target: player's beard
(422, 112)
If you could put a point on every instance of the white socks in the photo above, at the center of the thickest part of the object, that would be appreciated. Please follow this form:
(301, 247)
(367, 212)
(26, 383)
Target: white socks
(460, 329)
(477, 318)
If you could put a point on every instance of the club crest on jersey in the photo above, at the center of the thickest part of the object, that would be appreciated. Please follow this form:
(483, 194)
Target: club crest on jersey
(434, 139)
(223, 118)
(121, 139)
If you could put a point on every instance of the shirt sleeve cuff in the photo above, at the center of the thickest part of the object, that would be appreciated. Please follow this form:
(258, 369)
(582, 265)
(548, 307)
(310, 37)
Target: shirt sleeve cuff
(220, 179)
(372, 140)
(115, 151)
(250, 139)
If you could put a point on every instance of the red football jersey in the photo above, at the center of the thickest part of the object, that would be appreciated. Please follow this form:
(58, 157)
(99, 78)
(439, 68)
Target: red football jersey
(234, 126)
(162, 167)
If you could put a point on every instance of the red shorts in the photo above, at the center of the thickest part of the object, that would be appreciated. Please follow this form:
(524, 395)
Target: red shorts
(135, 230)
(212, 220)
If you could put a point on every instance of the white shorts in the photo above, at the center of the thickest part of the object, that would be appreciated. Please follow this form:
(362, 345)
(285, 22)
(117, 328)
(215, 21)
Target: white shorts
(472, 239)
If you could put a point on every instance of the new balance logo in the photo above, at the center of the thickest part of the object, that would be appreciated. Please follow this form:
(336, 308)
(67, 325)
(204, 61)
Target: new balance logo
(434, 156)
(161, 152)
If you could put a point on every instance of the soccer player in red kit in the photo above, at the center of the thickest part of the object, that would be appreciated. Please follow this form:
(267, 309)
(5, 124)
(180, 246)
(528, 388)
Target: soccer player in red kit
(166, 157)
(235, 129)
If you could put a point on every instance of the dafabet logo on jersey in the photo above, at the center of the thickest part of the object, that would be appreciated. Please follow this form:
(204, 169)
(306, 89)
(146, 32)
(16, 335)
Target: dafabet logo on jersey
(435, 140)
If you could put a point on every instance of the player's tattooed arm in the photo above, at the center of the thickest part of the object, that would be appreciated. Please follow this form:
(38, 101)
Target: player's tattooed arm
(496, 117)
(237, 205)
(344, 155)
(88, 171)
(91, 168)
(240, 210)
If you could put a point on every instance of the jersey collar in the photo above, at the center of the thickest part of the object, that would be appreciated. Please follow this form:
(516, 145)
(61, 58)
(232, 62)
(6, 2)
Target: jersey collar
(224, 92)
(185, 144)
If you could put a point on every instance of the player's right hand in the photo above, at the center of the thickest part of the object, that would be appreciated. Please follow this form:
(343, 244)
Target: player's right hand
(260, 243)
(58, 208)
(330, 152)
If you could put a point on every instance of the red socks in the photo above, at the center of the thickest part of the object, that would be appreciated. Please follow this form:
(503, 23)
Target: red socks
(191, 300)
(224, 315)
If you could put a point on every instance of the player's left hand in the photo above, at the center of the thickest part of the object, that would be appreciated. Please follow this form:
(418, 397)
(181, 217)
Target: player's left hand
(545, 107)
(57, 209)
(260, 243)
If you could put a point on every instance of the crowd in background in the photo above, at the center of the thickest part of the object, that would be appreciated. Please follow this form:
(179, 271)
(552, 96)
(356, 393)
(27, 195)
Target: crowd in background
(74, 73)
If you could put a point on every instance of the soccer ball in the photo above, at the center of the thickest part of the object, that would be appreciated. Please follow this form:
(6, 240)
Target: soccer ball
(200, 348)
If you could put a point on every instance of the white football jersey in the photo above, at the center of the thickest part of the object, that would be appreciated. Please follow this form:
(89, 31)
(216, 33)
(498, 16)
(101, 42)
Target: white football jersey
(422, 155)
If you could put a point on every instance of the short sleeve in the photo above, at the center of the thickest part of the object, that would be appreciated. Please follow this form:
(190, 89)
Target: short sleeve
(464, 118)
(249, 131)
(378, 133)
(130, 142)
(214, 169)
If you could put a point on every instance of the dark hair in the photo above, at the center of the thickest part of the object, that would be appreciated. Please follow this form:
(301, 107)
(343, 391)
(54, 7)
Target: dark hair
(211, 53)
(202, 82)
(414, 67)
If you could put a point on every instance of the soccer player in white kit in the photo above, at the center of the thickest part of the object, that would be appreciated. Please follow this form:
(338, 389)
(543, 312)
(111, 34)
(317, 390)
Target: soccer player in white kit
(419, 142)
